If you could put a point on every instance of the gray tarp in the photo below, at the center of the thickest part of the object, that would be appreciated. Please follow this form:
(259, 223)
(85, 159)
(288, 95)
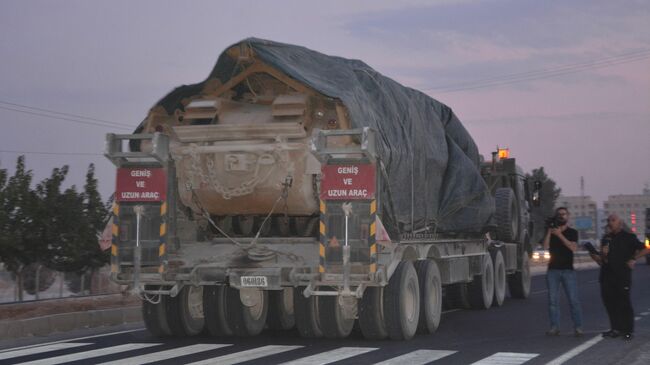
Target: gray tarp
(432, 162)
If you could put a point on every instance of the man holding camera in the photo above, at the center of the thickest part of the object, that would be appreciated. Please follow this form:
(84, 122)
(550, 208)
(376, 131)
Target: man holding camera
(561, 241)
(619, 251)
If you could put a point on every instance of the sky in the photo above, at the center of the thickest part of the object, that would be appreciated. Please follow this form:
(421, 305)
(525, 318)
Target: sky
(564, 85)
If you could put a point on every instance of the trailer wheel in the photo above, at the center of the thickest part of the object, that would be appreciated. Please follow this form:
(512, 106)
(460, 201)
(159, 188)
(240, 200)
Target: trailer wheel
(245, 320)
(371, 314)
(430, 295)
(333, 322)
(185, 312)
(155, 317)
(507, 215)
(481, 290)
(519, 282)
(306, 314)
(402, 302)
(281, 315)
(499, 277)
(214, 308)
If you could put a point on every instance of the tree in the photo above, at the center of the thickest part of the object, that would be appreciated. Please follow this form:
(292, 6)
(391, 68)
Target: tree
(548, 196)
(45, 226)
(96, 214)
(19, 245)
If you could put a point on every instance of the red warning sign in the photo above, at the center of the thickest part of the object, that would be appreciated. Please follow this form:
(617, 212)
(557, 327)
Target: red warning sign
(141, 185)
(348, 182)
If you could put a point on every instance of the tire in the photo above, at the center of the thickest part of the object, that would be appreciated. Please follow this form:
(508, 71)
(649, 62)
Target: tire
(332, 320)
(304, 226)
(214, 309)
(281, 226)
(244, 225)
(499, 277)
(306, 314)
(507, 215)
(430, 295)
(371, 314)
(243, 320)
(281, 315)
(185, 312)
(402, 302)
(265, 230)
(647, 259)
(481, 290)
(155, 317)
(519, 282)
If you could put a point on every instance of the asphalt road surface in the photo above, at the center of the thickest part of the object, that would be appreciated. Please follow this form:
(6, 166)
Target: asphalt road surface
(512, 334)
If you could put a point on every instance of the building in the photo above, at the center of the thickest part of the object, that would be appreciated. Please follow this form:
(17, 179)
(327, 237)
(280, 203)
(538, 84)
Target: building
(631, 209)
(584, 215)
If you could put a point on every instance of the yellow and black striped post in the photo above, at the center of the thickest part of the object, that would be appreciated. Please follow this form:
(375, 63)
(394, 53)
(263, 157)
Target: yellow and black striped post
(323, 238)
(115, 238)
(162, 245)
(372, 242)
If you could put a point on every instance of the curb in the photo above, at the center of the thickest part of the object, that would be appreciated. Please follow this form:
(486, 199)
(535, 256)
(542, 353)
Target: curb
(45, 325)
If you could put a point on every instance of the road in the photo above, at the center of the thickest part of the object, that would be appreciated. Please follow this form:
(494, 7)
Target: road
(512, 334)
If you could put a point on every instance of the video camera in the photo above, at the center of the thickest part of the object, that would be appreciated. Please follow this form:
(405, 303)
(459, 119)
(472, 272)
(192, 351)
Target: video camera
(553, 222)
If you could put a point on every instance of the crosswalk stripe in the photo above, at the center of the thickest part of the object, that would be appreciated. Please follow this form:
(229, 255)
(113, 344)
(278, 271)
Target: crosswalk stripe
(247, 355)
(417, 357)
(167, 354)
(39, 350)
(331, 356)
(91, 354)
(506, 358)
(73, 339)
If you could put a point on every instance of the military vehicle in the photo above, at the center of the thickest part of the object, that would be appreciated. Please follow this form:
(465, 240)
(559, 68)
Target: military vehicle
(295, 189)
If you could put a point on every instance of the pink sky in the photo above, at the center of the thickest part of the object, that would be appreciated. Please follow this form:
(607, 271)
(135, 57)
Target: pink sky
(113, 60)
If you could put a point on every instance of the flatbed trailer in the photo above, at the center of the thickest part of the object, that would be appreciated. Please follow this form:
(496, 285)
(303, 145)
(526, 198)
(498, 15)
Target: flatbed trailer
(351, 270)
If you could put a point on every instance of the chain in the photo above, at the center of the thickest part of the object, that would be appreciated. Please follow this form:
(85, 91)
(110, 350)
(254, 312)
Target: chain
(284, 194)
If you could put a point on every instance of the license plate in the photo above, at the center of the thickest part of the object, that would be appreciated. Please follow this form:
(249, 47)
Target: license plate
(254, 281)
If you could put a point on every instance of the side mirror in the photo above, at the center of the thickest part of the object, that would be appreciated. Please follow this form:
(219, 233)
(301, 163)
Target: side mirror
(537, 189)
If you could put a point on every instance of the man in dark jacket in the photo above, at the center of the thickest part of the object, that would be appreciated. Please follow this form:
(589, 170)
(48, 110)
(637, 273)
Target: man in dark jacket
(619, 251)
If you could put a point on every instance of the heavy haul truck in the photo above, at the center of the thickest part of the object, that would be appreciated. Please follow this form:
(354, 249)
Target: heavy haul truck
(295, 189)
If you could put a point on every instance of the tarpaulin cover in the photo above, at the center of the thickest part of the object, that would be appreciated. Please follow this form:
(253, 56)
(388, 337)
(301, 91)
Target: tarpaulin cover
(432, 162)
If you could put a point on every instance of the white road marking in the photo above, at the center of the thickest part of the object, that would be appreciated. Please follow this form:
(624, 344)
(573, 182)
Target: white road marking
(575, 351)
(506, 358)
(91, 354)
(451, 311)
(418, 357)
(167, 354)
(247, 355)
(645, 313)
(71, 339)
(39, 350)
(331, 356)
(637, 318)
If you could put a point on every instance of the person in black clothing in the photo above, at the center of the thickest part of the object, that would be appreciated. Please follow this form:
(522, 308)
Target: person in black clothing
(562, 243)
(618, 255)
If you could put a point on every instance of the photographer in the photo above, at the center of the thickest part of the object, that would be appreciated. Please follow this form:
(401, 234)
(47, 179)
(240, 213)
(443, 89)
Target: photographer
(560, 240)
(618, 255)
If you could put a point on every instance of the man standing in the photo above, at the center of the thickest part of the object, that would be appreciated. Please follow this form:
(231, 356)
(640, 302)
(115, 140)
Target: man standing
(561, 240)
(618, 255)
